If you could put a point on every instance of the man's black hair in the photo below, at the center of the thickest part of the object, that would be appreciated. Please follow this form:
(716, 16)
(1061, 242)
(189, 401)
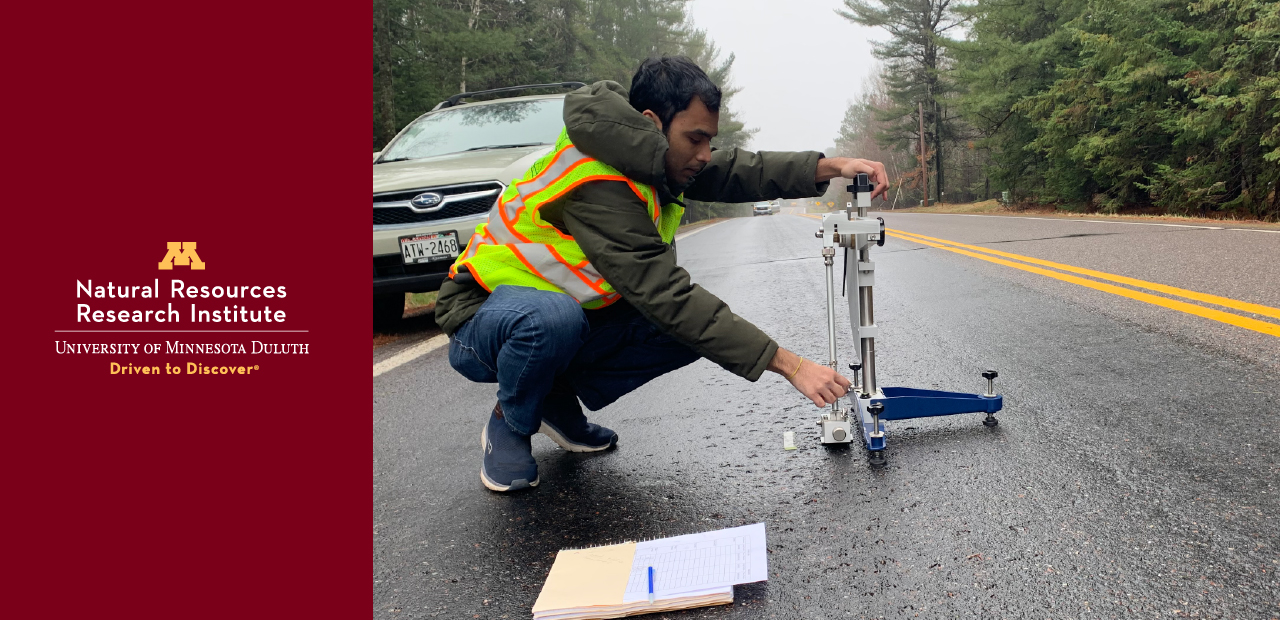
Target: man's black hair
(667, 86)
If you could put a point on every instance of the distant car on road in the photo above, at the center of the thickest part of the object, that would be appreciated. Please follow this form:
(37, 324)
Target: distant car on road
(438, 178)
(761, 208)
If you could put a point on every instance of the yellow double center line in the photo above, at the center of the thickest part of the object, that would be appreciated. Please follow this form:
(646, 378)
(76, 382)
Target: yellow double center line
(1028, 264)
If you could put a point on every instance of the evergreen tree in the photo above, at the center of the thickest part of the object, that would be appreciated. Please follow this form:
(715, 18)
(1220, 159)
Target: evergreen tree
(914, 68)
(1014, 49)
(733, 132)
(1126, 103)
(427, 50)
(1171, 105)
(1228, 134)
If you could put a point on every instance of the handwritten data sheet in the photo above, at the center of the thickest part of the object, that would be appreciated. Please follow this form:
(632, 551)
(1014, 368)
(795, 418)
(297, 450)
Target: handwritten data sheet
(695, 563)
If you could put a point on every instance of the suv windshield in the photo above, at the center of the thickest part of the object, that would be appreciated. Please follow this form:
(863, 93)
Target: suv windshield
(490, 126)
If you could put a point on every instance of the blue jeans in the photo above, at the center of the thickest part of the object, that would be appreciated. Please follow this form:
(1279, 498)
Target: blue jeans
(546, 353)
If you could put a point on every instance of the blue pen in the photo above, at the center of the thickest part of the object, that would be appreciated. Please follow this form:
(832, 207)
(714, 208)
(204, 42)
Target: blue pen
(650, 585)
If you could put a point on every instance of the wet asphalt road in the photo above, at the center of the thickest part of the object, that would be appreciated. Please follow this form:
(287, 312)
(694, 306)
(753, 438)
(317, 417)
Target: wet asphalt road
(1133, 474)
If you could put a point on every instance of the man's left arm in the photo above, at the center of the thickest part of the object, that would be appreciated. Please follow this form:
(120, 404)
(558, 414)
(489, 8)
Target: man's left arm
(738, 175)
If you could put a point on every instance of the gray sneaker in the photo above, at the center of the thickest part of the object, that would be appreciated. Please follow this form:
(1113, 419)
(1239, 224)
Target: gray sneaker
(508, 463)
(574, 433)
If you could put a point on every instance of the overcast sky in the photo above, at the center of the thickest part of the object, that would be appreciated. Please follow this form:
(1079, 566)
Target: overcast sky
(798, 64)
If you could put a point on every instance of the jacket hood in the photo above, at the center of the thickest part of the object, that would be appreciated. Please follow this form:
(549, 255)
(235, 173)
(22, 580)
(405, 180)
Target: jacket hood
(601, 123)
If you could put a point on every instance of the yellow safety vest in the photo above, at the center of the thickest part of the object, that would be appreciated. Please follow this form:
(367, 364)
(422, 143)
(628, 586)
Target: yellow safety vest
(517, 247)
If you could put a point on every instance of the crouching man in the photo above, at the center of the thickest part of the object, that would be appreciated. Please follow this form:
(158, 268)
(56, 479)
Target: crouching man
(570, 294)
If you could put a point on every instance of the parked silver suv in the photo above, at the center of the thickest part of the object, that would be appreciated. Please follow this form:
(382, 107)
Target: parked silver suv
(437, 179)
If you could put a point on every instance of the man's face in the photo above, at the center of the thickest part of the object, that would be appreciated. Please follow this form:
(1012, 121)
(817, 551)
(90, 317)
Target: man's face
(689, 137)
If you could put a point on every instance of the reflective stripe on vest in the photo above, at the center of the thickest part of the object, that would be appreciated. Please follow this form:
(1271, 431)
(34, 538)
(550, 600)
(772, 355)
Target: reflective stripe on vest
(517, 247)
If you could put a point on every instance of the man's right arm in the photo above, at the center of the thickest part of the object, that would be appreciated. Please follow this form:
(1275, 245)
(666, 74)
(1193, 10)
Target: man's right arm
(613, 228)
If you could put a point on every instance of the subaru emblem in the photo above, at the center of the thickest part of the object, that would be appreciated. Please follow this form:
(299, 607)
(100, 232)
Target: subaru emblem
(426, 200)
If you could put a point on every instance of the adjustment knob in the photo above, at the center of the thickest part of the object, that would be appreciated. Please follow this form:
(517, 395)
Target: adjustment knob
(876, 408)
(990, 376)
(861, 184)
(855, 367)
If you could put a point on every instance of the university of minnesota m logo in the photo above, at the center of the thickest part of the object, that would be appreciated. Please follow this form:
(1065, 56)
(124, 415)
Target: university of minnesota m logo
(181, 253)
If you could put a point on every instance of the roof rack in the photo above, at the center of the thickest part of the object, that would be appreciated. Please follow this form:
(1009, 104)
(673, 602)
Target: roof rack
(456, 99)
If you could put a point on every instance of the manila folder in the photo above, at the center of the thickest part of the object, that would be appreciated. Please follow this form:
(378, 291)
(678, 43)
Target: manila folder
(587, 577)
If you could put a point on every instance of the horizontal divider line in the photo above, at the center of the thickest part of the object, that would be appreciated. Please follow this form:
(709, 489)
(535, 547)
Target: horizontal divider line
(181, 331)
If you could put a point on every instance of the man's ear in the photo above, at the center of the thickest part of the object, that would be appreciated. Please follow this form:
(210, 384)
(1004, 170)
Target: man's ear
(653, 117)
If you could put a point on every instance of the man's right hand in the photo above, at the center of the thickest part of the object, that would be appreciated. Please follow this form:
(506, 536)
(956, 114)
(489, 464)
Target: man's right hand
(818, 383)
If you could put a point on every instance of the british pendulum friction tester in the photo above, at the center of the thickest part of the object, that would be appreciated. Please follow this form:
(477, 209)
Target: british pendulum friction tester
(871, 405)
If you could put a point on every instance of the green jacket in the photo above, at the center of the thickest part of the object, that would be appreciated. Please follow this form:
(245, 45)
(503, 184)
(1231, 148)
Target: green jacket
(612, 226)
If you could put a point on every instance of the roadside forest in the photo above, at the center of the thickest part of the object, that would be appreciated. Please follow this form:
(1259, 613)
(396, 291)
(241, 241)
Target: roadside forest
(426, 50)
(1157, 105)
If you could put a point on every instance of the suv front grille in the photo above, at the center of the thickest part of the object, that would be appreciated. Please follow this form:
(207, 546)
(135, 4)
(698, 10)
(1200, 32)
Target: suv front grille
(393, 265)
(390, 215)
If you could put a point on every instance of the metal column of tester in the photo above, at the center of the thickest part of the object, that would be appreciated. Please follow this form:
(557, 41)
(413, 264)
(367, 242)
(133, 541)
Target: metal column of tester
(871, 405)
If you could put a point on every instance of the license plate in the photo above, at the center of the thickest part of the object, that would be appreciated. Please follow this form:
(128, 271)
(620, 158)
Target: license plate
(429, 247)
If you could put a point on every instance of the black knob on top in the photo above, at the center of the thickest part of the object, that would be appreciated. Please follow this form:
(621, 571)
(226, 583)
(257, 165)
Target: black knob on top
(876, 408)
(855, 367)
(990, 376)
(861, 184)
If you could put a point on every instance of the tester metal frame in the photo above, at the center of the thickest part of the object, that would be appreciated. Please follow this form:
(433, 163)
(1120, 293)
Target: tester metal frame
(872, 405)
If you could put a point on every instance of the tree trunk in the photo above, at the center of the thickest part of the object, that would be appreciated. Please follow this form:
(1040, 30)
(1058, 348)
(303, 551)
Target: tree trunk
(924, 169)
(386, 85)
(471, 25)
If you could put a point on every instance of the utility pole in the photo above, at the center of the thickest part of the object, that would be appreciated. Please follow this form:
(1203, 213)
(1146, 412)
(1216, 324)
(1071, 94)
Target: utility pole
(924, 170)
(938, 112)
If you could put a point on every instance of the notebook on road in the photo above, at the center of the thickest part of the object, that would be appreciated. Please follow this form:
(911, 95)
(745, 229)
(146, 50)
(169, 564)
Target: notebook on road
(695, 570)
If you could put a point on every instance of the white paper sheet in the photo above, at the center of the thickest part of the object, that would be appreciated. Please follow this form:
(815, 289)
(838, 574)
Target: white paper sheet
(698, 562)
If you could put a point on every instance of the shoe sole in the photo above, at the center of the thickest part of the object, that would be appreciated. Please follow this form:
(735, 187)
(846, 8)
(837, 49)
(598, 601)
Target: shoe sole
(515, 485)
(563, 442)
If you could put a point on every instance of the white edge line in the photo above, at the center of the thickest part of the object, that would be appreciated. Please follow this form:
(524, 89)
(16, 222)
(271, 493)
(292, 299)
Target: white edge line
(410, 354)
(698, 230)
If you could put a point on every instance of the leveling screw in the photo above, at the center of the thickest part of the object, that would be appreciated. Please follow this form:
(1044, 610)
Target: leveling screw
(990, 376)
(875, 409)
